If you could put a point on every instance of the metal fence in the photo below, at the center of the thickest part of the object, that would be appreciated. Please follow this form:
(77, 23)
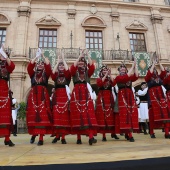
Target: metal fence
(73, 53)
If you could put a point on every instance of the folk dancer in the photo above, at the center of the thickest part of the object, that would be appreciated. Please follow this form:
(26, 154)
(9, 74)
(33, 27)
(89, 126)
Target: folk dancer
(143, 107)
(6, 67)
(82, 114)
(38, 111)
(126, 110)
(166, 83)
(60, 100)
(159, 113)
(105, 103)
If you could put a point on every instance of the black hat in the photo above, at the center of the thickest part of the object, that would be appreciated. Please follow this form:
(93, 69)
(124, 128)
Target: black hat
(143, 83)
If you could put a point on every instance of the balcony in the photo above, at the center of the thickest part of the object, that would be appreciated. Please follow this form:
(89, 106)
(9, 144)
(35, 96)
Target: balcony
(73, 53)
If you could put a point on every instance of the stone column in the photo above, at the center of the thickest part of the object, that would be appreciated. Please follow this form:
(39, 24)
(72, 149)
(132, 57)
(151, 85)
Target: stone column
(157, 19)
(24, 11)
(71, 11)
(115, 25)
(17, 78)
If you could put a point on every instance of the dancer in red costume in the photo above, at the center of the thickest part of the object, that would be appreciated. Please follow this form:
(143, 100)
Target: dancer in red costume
(81, 104)
(105, 103)
(60, 100)
(126, 111)
(6, 67)
(166, 83)
(38, 111)
(159, 113)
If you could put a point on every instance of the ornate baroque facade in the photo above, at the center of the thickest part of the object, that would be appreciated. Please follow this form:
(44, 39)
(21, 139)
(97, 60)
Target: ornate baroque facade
(116, 23)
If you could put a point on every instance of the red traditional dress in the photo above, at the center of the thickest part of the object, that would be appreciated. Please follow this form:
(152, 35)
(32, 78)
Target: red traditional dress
(60, 104)
(5, 100)
(38, 111)
(82, 114)
(158, 107)
(105, 106)
(166, 83)
(126, 110)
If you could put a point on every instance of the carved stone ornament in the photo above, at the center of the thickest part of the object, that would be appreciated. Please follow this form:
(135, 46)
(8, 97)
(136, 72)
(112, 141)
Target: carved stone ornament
(48, 20)
(93, 21)
(115, 16)
(156, 19)
(136, 25)
(4, 20)
(93, 9)
(24, 11)
(71, 13)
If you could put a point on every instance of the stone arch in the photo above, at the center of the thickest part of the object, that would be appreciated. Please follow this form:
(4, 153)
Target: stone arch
(93, 21)
(4, 20)
(136, 25)
(48, 20)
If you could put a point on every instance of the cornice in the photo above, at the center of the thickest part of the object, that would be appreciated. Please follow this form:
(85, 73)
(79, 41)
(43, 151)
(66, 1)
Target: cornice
(109, 2)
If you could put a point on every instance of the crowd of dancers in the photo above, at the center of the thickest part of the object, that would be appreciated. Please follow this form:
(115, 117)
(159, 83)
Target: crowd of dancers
(116, 110)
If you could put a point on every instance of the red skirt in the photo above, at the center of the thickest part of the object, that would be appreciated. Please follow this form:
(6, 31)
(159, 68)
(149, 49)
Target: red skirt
(159, 104)
(38, 112)
(127, 117)
(61, 117)
(5, 109)
(154, 124)
(104, 111)
(82, 112)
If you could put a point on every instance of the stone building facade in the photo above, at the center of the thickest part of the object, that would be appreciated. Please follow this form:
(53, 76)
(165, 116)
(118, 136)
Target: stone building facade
(111, 25)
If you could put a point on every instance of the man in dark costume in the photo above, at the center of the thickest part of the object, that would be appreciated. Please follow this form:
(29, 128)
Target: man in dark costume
(143, 107)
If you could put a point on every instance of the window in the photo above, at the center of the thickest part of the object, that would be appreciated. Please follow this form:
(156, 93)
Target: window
(167, 2)
(47, 38)
(137, 42)
(94, 40)
(2, 35)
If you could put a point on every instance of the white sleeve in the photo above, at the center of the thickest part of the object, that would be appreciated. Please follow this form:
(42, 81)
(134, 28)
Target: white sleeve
(133, 90)
(3, 53)
(68, 92)
(113, 93)
(116, 88)
(142, 92)
(137, 100)
(164, 90)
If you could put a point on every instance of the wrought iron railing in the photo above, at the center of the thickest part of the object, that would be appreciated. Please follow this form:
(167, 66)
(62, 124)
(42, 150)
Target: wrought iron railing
(69, 53)
(73, 53)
